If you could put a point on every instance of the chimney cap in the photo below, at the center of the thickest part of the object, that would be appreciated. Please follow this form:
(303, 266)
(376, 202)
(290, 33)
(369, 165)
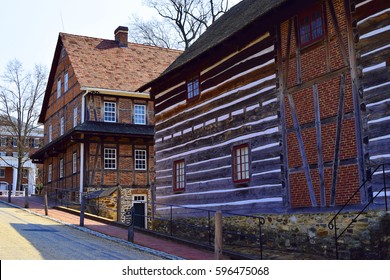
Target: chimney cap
(121, 28)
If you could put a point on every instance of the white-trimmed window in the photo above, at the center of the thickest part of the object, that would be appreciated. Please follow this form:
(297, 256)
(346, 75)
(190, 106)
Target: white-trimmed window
(62, 126)
(50, 133)
(140, 160)
(66, 82)
(3, 141)
(2, 172)
(59, 88)
(241, 164)
(109, 111)
(14, 142)
(74, 163)
(179, 183)
(139, 114)
(109, 158)
(37, 143)
(75, 113)
(49, 173)
(62, 168)
(25, 173)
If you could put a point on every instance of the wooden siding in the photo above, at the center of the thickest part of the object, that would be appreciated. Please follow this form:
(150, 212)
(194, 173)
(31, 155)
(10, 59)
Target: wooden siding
(372, 42)
(238, 104)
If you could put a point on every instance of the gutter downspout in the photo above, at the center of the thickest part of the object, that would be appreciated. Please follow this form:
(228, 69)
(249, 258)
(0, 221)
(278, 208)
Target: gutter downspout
(82, 154)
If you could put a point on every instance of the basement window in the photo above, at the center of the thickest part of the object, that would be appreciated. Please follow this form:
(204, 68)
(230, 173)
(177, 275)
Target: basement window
(311, 26)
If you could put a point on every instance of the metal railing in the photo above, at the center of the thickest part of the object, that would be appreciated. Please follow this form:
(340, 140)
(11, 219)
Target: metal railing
(333, 222)
(198, 226)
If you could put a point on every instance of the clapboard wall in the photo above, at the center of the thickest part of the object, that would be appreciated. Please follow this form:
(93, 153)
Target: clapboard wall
(238, 104)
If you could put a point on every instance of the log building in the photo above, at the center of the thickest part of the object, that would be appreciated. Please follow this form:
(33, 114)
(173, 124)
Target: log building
(98, 129)
(279, 105)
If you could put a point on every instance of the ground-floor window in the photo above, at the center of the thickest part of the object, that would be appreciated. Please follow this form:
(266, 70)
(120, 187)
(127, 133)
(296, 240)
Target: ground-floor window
(109, 158)
(140, 159)
(2, 172)
(241, 164)
(179, 176)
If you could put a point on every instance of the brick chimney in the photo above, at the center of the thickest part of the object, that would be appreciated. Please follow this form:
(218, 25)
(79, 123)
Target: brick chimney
(121, 36)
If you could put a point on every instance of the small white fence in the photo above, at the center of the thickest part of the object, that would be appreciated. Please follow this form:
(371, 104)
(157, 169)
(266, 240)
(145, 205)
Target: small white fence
(13, 193)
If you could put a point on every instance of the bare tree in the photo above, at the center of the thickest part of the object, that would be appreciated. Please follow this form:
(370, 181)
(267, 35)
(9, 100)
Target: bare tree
(188, 19)
(20, 101)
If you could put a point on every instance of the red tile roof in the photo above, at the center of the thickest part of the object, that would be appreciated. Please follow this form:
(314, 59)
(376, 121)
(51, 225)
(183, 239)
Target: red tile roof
(102, 63)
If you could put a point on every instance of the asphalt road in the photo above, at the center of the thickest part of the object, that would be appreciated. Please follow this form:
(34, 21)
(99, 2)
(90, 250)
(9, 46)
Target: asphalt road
(25, 236)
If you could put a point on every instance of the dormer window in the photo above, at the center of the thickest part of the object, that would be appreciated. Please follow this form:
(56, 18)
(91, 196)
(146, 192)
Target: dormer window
(193, 89)
(311, 26)
(109, 111)
(139, 114)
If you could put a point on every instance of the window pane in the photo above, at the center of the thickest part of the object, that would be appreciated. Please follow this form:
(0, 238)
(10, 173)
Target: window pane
(140, 159)
(109, 158)
(109, 112)
(140, 114)
(241, 164)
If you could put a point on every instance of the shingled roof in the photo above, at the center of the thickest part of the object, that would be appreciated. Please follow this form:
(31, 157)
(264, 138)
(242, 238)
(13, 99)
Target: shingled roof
(105, 64)
(232, 22)
(102, 63)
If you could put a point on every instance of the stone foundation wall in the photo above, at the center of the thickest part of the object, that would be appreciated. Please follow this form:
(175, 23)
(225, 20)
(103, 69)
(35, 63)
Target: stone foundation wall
(368, 238)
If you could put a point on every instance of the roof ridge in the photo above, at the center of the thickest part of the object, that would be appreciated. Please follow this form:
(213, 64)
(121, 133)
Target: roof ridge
(129, 43)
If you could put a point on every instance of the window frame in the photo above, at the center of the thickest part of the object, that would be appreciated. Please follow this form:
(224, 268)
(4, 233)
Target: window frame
(108, 114)
(2, 172)
(179, 176)
(110, 158)
(74, 163)
(66, 81)
(62, 126)
(50, 133)
(59, 87)
(3, 141)
(142, 162)
(50, 173)
(139, 115)
(241, 169)
(75, 115)
(308, 14)
(61, 175)
(191, 82)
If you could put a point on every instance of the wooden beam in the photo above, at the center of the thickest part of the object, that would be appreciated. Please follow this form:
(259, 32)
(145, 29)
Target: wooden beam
(297, 52)
(319, 145)
(336, 157)
(302, 150)
(326, 41)
(338, 32)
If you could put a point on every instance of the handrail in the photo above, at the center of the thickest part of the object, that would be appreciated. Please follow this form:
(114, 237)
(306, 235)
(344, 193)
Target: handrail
(333, 222)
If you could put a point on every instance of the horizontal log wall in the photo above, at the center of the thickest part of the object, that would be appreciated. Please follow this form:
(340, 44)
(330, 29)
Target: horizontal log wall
(373, 47)
(238, 104)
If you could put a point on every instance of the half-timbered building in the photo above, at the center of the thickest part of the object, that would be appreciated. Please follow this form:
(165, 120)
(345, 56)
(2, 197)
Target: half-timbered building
(279, 105)
(98, 129)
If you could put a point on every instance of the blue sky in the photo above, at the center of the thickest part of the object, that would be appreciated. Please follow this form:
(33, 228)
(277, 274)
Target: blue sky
(29, 28)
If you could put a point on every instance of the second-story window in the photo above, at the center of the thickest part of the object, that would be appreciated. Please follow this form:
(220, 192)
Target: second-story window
(50, 133)
(109, 111)
(66, 82)
(62, 126)
(311, 27)
(2, 172)
(59, 88)
(14, 142)
(139, 114)
(75, 116)
(193, 89)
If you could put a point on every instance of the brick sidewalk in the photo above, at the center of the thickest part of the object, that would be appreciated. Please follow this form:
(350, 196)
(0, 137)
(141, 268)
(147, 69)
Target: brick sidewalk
(170, 247)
